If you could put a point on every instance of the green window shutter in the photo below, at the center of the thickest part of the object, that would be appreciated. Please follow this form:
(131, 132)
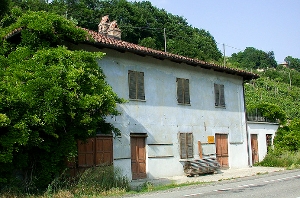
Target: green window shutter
(140, 86)
(180, 90)
(186, 91)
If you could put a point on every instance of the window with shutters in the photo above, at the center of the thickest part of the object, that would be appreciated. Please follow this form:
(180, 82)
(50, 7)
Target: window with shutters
(183, 91)
(219, 95)
(186, 145)
(136, 85)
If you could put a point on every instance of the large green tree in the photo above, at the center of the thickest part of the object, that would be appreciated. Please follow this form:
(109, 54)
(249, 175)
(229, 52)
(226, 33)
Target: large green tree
(252, 58)
(49, 97)
(140, 22)
(4, 7)
(293, 63)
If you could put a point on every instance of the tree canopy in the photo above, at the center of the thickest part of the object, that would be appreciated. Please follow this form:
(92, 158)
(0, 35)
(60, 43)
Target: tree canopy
(252, 58)
(140, 22)
(49, 96)
(293, 63)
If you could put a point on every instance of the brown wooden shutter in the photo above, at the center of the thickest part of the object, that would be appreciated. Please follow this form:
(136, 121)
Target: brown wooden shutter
(183, 151)
(186, 91)
(140, 86)
(132, 85)
(180, 89)
(189, 143)
(186, 145)
(217, 94)
(222, 96)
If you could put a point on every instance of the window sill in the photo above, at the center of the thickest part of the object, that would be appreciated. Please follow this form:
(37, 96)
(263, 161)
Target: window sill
(221, 107)
(185, 160)
(183, 104)
(138, 100)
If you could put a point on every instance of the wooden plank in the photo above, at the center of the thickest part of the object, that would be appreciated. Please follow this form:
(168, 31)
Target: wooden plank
(200, 151)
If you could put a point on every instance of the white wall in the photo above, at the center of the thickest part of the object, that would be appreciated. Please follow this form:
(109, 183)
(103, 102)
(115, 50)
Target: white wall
(162, 118)
(261, 129)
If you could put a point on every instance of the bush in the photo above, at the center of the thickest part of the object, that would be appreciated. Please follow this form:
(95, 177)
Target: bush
(281, 158)
(102, 180)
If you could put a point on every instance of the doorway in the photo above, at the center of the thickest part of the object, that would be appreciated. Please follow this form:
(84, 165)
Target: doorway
(222, 149)
(254, 148)
(138, 157)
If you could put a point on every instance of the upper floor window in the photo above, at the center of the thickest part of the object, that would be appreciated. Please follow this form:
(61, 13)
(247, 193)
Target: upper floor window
(183, 91)
(219, 95)
(136, 85)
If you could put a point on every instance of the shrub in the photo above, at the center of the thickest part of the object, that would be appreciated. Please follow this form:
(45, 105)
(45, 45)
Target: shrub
(281, 158)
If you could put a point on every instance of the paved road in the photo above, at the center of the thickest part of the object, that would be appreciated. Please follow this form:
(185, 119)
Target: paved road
(282, 184)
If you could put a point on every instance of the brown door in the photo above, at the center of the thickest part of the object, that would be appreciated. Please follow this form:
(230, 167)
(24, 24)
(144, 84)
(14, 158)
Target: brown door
(86, 152)
(104, 150)
(254, 148)
(138, 157)
(95, 151)
(222, 149)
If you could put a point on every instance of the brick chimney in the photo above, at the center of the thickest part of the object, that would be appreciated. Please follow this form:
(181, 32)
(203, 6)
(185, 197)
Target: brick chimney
(108, 28)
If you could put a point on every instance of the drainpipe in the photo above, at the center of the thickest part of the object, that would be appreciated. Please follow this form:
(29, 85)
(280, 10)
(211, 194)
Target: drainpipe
(247, 132)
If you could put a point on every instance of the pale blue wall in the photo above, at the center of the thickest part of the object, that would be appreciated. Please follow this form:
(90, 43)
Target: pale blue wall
(162, 118)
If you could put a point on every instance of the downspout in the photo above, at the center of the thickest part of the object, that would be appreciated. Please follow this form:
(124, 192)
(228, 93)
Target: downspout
(247, 132)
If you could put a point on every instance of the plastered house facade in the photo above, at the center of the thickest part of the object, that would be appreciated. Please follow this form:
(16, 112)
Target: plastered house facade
(177, 109)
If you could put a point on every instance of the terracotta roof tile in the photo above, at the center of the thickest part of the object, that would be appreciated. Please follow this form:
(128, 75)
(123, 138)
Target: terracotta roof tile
(108, 42)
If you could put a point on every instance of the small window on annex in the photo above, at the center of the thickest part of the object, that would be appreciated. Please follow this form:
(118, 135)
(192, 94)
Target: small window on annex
(219, 95)
(183, 91)
(136, 85)
(186, 145)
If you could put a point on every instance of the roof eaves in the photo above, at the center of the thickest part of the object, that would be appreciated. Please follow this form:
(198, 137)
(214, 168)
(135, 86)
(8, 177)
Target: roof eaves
(111, 43)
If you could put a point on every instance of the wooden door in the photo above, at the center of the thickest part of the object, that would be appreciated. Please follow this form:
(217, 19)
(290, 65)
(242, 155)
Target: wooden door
(222, 149)
(138, 157)
(104, 150)
(254, 148)
(95, 151)
(86, 152)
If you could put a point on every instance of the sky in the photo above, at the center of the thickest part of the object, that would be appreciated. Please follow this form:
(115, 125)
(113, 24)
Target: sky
(268, 25)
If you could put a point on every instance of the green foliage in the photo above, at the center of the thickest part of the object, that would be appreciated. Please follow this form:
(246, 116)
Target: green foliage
(281, 158)
(140, 22)
(270, 111)
(293, 63)
(278, 92)
(288, 137)
(252, 58)
(97, 181)
(100, 179)
(49, 97)
(4, 7)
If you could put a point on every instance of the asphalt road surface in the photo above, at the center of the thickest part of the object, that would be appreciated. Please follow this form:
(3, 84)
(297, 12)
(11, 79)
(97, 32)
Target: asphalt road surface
(284, 184)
